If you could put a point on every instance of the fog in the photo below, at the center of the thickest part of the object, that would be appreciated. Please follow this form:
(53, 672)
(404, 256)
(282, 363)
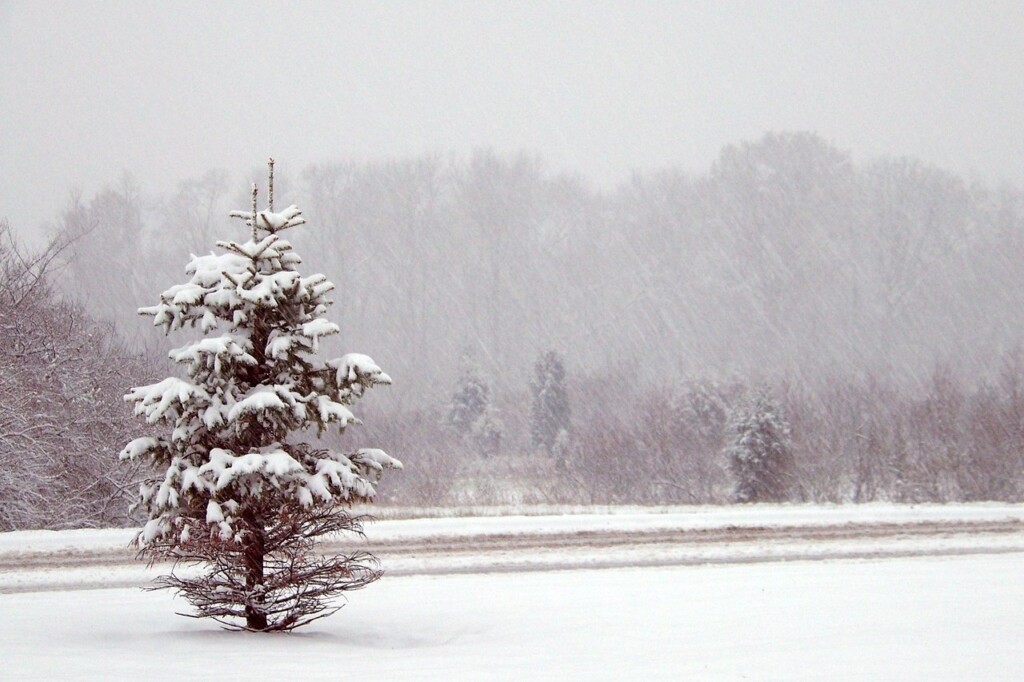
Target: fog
(597, 245)
(600, 89)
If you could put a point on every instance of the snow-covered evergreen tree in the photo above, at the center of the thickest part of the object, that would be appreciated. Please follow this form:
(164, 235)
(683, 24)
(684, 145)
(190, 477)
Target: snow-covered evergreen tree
(238, 487)
(471, 399)
(549, 412)
(470, 413)
(760, 457)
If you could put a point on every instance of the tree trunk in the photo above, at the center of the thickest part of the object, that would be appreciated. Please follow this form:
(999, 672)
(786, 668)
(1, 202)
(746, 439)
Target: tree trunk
(255, 549)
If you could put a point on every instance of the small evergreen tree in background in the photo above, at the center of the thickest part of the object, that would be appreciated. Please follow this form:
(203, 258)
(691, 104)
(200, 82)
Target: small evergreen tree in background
(237, 489)
(549, 412)
(760, 457)
(471, 416)
(471, 399)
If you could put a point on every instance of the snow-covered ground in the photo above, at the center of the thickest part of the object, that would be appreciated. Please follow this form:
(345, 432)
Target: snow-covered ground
(860, 593)
(907, 619)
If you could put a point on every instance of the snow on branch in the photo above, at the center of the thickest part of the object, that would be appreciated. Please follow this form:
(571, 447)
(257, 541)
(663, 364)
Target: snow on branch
(356, 369)
(166, 399)
(272, 222)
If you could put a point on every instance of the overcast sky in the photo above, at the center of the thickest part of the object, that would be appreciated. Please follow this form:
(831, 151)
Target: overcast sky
(169, 90)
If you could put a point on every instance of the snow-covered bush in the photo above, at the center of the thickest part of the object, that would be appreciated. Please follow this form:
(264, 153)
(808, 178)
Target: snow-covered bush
(760, 457)
(60, 376)
(238, 486)
(698, 410)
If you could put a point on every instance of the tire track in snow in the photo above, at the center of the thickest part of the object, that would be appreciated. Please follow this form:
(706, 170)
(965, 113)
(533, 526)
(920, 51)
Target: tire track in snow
(707, 536)
(706, 561)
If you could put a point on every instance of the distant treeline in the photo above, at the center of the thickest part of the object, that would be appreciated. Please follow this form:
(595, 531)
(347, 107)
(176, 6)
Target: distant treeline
(876, 303)
(854, 439)
(785, 259)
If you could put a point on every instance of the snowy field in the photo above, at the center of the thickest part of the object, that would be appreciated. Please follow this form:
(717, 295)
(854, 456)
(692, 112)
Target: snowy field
(954, 611)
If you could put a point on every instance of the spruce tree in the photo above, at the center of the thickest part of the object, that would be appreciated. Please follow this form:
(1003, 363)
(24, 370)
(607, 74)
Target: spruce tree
(238, 488)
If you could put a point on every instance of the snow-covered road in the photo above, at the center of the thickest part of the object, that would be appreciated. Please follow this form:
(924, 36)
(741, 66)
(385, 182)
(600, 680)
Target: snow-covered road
(45, 561)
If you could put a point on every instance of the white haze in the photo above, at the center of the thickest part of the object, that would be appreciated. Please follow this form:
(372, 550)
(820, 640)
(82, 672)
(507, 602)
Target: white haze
(167, 91)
